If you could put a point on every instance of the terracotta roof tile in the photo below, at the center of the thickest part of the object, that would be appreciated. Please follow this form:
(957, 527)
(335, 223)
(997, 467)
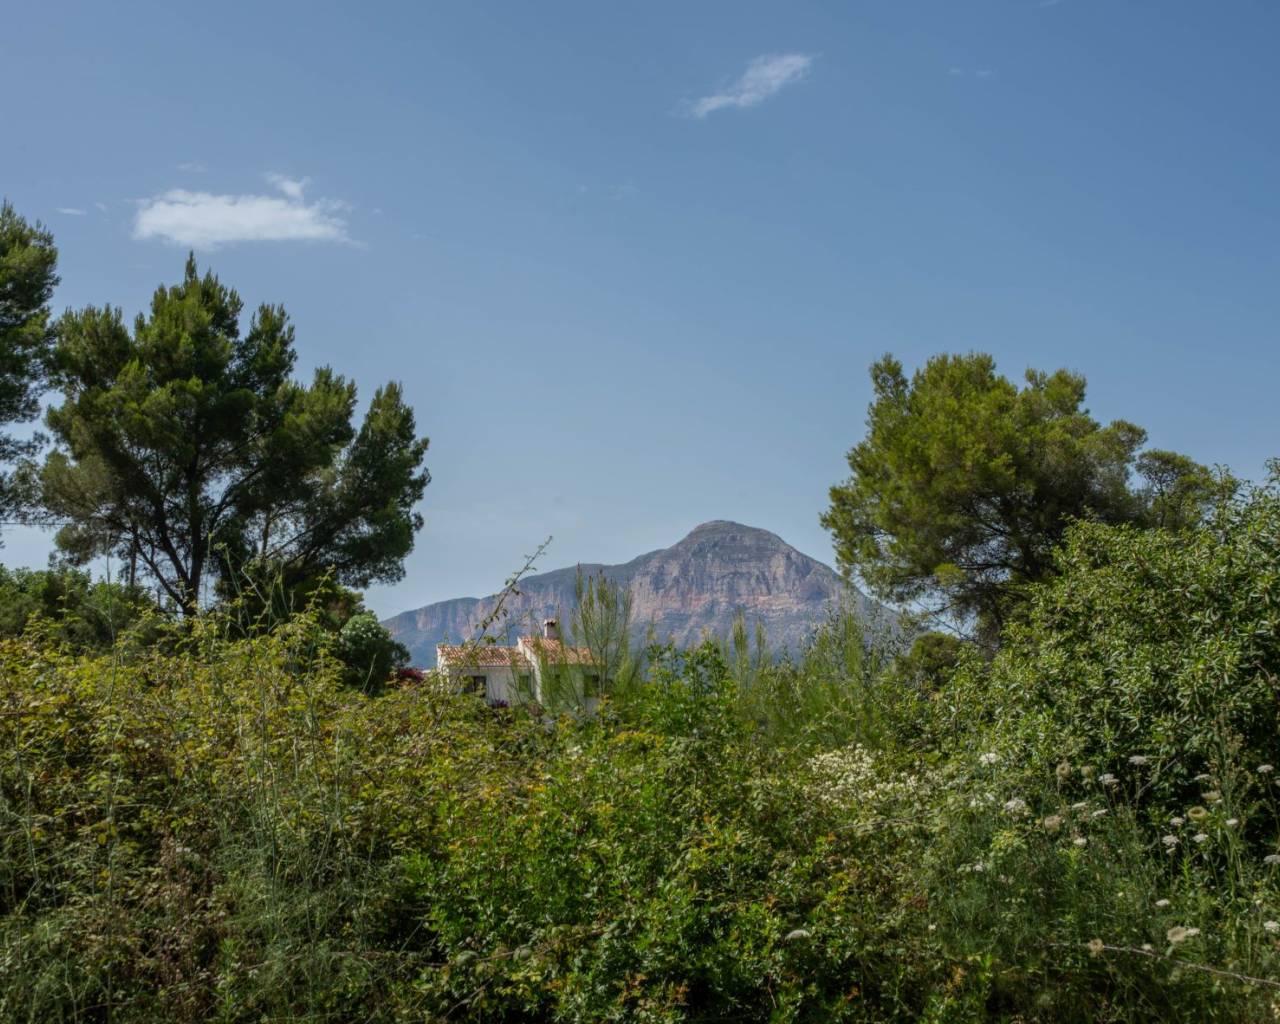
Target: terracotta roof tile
(555, 650)
(479, 655)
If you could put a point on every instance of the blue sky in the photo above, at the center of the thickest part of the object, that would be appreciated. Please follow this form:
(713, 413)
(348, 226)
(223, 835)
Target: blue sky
(632, 262)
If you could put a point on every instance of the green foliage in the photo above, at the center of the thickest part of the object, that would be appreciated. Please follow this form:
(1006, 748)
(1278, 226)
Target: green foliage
(836, 692)
(601, 622)
(368, 651)
(186, 449)
(77, 612)
(1148, 644)
(965, 483)
(929, 663)
(28, 263)
(1080, 829)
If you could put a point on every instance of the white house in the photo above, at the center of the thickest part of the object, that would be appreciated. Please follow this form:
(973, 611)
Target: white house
(538, 668)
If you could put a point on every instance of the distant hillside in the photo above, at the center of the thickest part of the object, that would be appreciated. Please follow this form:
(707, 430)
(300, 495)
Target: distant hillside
(694, 587)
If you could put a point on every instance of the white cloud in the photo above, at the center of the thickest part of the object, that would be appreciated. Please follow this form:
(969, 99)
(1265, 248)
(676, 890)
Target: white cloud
(101, 206)
(764, 77)
(71, 211)
(192, 167)
(203, 220)
(292, 187)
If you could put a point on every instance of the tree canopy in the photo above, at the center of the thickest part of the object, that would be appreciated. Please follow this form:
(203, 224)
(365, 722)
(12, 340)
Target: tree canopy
(28, 264)
(186, 449)
(966, 483)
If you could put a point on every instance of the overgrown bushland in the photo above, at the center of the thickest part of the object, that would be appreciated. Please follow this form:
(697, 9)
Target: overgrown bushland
(1085, 828)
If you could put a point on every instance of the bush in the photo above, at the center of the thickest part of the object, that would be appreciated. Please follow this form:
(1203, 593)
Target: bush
(85, 615)
(220, 826)
(1153, 656)
(369, 651)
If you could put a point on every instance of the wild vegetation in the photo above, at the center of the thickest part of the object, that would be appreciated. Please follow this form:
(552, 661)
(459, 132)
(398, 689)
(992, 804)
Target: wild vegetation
(1083, 828)
(227, 806)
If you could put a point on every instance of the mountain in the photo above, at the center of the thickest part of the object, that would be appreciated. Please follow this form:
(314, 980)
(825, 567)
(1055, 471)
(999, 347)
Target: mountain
(694, 587)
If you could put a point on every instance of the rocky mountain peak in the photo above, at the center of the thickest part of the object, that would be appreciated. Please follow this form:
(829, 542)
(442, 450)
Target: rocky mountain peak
(693, 588)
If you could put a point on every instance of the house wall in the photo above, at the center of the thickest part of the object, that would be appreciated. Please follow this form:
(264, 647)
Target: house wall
(558, 685)
(499, 680)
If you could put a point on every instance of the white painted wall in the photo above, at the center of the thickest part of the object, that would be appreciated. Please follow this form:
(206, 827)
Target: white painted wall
(500, 681)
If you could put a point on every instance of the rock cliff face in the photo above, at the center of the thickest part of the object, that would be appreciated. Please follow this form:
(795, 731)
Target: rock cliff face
(694, 587)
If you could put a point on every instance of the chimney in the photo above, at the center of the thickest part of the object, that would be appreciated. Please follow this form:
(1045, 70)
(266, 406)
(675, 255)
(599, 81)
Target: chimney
(551, 630)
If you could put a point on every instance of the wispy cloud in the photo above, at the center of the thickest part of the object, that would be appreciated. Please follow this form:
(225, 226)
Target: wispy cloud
(292, 187)
(72, 211)
(203, 220)
(101, 206)
(974, 72)
(765, 76)
(192, 167)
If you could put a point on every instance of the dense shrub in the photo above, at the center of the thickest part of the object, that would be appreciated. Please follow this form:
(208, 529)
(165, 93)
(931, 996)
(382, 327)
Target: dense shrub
(220, 826)
(1154, 657)
(83, 614)
(369, 651)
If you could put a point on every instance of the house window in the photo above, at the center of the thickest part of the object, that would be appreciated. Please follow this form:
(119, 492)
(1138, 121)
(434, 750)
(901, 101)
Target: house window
(477, 685)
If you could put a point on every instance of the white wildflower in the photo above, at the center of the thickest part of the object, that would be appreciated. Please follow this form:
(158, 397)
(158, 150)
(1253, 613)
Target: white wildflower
(1272, 859)
(852, 778)
(1212, 797)
(1200, 837)
(1080, 841)
(1096, 947)
(1232, 822)
(1099, 813)
(1203, 777)
(1063, 771)
(1266, 769)
(989, 758)
(1271, 926)
(1082, 805)
(1148, 948)
(1107, 779)
(797, 935)
(1052, 823)
(1162, 904)
(1138, 759)
(1178, 934)
(1169, 841)
(1177, 822)
(1016, 805)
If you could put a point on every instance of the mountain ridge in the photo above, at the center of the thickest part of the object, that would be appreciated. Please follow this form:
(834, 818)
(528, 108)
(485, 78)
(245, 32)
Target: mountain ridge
(694, 587)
